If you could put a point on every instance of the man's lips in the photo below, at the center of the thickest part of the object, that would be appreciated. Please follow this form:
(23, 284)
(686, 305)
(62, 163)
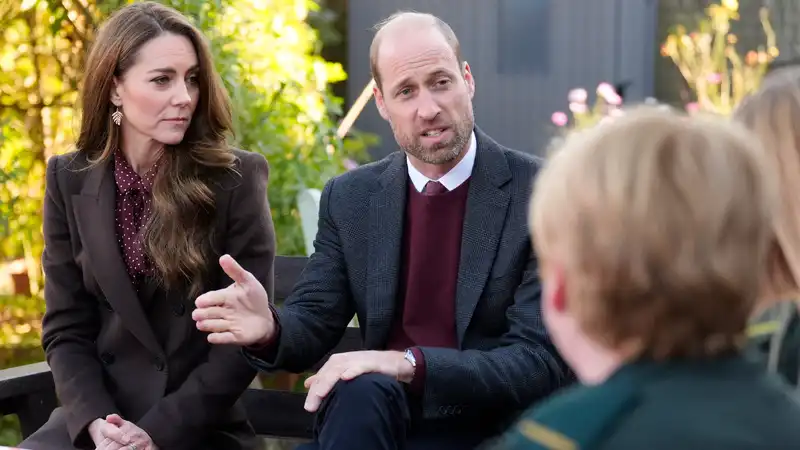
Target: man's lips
(434, 132)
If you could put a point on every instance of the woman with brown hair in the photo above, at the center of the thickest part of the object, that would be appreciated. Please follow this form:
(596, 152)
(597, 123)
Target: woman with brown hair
(773, 114)
(134, 223)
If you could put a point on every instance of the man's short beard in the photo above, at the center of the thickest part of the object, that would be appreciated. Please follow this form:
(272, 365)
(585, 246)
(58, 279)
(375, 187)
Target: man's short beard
(447, 153)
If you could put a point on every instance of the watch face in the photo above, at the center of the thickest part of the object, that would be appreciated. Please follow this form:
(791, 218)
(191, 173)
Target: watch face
(410, 357)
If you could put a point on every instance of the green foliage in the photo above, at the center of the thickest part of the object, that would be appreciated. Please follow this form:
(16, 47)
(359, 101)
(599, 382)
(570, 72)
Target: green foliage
(9, 431)
(267, 58)
(20, 330)
(20, 334)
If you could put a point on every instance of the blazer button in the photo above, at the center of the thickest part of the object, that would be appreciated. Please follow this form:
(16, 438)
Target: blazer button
(107, 358)
(159, 363)
(179, 309)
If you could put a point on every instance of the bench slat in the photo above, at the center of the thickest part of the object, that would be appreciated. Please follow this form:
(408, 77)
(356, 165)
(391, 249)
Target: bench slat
(278, 414)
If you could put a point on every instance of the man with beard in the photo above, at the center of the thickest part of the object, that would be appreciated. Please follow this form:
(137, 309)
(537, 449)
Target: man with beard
(429, 248)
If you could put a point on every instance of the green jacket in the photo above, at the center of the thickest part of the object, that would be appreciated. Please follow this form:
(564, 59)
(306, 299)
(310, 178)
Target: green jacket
(775, 341)
(728, 403)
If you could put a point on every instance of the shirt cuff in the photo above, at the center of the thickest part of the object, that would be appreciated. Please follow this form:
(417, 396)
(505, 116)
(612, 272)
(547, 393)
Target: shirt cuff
(418, 382)
(267, 350)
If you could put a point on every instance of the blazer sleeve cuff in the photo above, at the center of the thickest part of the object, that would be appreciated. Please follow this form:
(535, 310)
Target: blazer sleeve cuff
(418, 382)
(78, 426)
(267, 351)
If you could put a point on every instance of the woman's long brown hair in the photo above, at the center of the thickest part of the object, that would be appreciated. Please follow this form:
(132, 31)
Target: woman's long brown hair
(773, 113)
(178, 235)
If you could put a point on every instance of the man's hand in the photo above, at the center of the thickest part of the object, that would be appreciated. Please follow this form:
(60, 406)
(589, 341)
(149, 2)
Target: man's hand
(346, 366)
(238, 314)
(101, 431)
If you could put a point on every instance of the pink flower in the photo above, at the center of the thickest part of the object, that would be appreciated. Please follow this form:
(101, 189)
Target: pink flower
(578, 107)
(604, 89)
(714, 78)
(614, 99)
(692, 107)
(559, 118)
(578, 95)
(609, 94)
(349, 164)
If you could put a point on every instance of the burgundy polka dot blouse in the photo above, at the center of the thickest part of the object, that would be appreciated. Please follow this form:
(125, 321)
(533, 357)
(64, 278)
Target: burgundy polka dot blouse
(133, 206)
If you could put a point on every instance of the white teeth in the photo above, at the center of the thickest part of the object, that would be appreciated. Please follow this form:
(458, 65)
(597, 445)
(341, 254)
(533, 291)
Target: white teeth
(433, 133)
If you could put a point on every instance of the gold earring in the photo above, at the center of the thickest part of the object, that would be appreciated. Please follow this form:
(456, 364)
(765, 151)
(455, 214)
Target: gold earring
(117, 116)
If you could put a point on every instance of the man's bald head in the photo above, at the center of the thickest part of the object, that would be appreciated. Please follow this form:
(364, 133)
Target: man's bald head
(399, 24)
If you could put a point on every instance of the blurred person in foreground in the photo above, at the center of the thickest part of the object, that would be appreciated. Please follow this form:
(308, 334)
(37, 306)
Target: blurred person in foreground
(773, 114)
(652, 231)
(134, 222)
(429, 248)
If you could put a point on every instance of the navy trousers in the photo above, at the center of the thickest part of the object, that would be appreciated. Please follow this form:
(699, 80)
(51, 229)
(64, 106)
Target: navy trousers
(372, 412)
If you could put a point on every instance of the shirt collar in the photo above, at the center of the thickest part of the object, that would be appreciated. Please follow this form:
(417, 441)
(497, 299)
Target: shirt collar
(452, 179)
(127, 179)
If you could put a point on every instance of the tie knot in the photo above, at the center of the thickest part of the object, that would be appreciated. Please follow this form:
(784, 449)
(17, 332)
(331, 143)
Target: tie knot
(434, 188)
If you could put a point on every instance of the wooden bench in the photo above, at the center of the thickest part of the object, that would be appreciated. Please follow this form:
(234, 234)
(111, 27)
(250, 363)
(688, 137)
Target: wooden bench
(28, 391)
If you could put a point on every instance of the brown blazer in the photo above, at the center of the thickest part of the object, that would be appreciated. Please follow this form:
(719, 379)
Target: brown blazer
(142, 357)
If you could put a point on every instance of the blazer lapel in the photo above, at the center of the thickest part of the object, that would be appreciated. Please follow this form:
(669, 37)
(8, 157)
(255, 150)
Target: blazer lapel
(386, 215)
(94, 213)
(147, 291)
(483, 225)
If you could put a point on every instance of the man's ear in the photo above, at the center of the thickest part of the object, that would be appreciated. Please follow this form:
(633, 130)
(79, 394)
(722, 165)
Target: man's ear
(470, 80)
(376, 92)
(114, 96)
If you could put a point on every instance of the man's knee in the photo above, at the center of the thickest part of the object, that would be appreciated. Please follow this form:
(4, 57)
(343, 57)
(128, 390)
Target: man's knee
(370, 411)
(370, 387)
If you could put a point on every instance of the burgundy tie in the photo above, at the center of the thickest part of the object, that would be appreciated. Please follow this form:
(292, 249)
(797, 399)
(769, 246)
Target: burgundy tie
(434, 188)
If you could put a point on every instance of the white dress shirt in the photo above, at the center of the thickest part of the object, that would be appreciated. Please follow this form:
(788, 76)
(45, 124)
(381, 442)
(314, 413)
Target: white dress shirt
(452, 179)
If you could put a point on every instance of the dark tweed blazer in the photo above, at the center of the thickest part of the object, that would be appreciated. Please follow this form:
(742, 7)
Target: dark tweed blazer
(505, 359)
(141, 356)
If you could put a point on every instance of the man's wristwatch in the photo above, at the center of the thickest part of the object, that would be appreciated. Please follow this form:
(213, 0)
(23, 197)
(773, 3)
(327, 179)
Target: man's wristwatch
(409, 356)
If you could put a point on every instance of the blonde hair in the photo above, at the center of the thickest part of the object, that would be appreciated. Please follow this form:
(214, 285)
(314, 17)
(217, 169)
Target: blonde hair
(661, 224)
(773, 114)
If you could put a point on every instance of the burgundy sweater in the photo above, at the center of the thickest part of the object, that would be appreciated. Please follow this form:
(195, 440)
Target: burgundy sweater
(425, 311)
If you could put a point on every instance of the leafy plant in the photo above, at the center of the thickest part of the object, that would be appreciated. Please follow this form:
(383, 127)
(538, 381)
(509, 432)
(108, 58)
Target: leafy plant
(709, 62)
